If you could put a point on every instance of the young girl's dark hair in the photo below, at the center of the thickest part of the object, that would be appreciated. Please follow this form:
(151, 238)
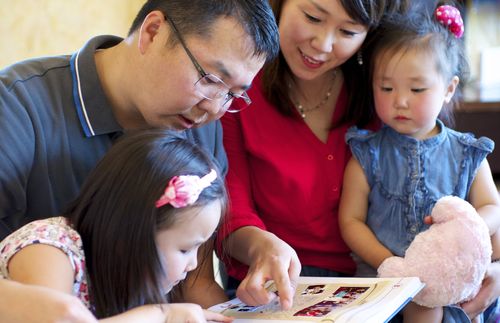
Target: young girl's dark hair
(368, 13)
(421, 31)
(116, 217)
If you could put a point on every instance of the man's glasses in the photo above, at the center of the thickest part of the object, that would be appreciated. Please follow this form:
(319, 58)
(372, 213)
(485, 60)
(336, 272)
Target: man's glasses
(210, 86)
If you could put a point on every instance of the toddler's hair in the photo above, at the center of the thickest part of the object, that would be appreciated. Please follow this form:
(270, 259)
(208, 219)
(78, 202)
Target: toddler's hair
(419, 30)
(116, 216)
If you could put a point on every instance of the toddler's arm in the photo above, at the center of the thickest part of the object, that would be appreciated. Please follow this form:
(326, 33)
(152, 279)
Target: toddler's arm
(352, 216)
(485, 198)
(490, 291)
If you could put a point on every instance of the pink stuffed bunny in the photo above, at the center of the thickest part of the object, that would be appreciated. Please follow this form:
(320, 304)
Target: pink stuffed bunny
(451, 257)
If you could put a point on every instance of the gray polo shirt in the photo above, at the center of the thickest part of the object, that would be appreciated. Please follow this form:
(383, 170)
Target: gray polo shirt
(55, 125)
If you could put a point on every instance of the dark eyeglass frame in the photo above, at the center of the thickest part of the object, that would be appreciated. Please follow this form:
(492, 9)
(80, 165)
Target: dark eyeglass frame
(229, 96)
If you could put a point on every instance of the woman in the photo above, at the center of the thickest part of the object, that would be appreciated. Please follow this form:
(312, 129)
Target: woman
(287, 152)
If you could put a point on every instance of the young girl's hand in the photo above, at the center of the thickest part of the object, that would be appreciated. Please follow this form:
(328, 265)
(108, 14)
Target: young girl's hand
(184, 312)
(216, 317)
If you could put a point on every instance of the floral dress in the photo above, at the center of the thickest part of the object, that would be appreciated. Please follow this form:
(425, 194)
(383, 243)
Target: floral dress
(54, 232)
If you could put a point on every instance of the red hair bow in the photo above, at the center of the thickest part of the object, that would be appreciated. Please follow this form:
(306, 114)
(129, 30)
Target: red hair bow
(450, 17)
(184, 190)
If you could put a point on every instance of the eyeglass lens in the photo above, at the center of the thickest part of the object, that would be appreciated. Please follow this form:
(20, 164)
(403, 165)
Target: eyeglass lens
(213, 88)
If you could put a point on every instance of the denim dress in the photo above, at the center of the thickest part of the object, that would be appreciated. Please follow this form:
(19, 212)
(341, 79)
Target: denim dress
(407, 176)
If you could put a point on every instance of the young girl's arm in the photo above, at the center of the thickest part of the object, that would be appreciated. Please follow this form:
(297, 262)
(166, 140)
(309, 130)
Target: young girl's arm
(167, 313)
(42, 265)
(484, 197)
(48, 266)
(21, 303)
(352, 217)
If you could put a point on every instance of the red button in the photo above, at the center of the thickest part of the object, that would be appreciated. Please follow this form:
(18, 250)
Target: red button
(330, 157)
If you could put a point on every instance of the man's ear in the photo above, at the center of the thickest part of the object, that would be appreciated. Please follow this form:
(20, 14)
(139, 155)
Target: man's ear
(150, 29)
(450, 90)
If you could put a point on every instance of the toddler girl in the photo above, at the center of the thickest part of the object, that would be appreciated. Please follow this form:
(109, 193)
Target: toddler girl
(397, 174)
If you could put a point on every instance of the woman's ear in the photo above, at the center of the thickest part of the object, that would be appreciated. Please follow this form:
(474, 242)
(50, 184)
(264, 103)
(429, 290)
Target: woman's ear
(450, 90)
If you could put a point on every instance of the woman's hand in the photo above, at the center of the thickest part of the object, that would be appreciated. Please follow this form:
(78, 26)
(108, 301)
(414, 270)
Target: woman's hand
(270, 258)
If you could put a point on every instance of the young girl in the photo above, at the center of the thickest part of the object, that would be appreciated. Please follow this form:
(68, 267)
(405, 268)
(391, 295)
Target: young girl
(132, 234)
(397, 174)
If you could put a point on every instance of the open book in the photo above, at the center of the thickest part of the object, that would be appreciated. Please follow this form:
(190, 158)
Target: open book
(333, 299)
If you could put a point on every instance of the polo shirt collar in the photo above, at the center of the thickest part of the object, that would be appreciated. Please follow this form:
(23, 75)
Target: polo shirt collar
(92, 105)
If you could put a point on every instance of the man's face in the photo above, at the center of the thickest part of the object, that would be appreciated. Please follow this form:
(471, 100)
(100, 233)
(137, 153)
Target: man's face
(166, 92)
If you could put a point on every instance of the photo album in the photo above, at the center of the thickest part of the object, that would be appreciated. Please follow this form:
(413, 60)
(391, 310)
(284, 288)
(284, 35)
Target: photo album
(332, 299)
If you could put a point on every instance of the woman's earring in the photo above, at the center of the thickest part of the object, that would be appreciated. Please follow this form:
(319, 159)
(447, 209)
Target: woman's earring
(360, 58)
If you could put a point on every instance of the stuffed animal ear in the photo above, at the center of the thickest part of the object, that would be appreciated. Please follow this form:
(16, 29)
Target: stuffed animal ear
(450, 207)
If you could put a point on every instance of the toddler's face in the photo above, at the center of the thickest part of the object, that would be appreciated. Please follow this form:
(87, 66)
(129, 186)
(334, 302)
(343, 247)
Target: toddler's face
(178, 245)
(409, 92)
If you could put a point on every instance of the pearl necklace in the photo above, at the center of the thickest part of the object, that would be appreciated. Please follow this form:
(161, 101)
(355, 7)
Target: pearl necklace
(302, 110)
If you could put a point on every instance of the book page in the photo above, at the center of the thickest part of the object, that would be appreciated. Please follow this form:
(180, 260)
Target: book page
(331, 300)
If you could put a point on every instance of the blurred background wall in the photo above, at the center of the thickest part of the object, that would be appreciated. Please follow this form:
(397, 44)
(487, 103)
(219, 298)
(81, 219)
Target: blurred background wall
(30, 28)
(482, 35)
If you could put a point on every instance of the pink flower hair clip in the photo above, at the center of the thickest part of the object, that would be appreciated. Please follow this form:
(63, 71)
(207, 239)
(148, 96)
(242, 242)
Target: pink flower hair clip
(450, 17)
(184, 190)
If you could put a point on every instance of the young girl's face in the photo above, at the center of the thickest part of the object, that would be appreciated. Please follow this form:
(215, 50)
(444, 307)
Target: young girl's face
(317, 35)
(409, 92)
(178, 245)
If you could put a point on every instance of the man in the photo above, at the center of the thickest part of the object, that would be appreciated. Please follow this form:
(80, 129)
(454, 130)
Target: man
(180, 67)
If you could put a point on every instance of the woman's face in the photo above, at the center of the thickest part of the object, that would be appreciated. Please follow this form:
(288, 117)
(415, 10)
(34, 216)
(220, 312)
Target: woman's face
(317, 36)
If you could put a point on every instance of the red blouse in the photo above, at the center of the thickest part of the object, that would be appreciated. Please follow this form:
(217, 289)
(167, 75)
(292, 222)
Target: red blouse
(285, 180)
